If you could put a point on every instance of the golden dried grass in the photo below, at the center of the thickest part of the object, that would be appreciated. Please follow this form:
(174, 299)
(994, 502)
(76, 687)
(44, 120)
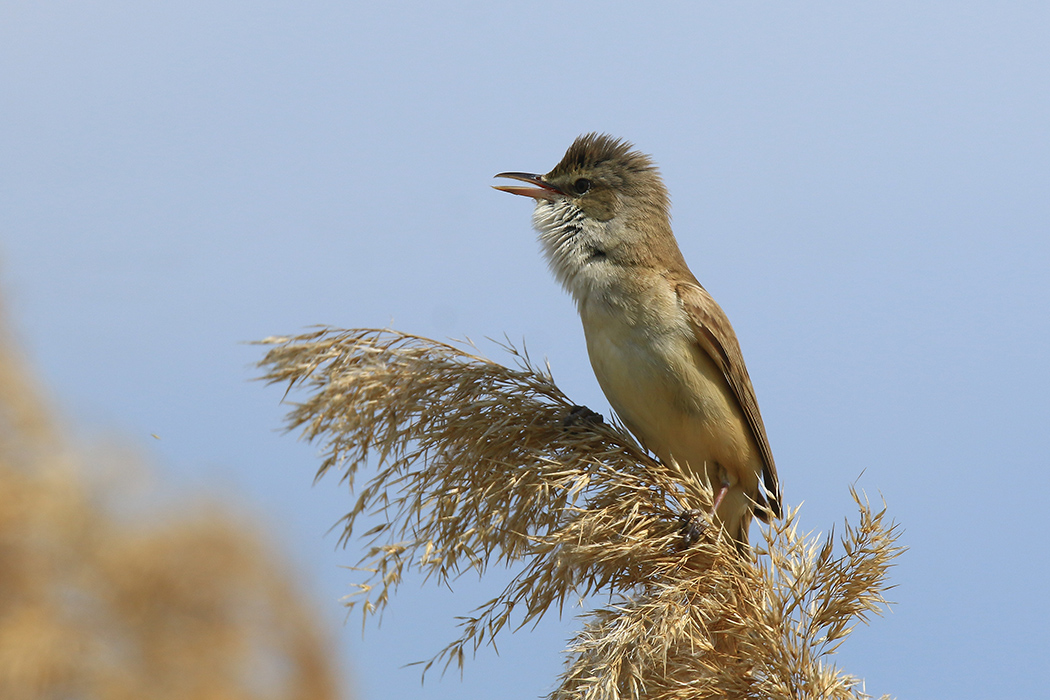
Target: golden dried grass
(190, 605)
(480, 464)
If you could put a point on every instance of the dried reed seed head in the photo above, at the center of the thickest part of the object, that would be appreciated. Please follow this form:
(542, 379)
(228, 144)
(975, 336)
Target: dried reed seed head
(477, 463)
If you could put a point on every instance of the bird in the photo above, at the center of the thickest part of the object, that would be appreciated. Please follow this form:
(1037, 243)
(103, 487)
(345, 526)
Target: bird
(663, 351)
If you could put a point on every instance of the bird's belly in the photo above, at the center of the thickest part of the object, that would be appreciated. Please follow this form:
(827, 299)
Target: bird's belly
(671, 395)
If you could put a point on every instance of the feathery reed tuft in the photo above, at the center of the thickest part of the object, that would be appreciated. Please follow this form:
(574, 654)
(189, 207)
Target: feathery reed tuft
(480, 464)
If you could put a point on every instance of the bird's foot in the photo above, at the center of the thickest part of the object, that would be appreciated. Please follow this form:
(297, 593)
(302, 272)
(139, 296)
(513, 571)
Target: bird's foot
(694, 524)
(581, 415)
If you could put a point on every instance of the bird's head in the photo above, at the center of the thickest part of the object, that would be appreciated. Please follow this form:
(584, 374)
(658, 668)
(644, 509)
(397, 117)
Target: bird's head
(603, 204)
(602, 176)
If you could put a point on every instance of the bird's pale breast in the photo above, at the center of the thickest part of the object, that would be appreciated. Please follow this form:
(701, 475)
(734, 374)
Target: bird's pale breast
(669, 393)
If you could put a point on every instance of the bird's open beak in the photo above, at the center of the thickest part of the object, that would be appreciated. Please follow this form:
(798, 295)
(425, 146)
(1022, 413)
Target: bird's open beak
(542, 190)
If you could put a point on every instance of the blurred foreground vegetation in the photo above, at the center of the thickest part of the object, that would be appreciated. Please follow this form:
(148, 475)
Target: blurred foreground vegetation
(171, 604)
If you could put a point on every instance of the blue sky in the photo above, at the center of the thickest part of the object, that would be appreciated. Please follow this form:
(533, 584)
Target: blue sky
(864, 187)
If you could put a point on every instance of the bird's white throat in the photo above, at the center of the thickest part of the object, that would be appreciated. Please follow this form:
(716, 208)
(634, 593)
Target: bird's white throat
(573, 245)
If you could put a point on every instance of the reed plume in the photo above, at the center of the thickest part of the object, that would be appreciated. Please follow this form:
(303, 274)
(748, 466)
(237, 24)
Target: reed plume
(477, 464)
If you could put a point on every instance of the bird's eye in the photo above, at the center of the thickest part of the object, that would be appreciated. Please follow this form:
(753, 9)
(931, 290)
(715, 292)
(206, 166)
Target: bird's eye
(581, 186)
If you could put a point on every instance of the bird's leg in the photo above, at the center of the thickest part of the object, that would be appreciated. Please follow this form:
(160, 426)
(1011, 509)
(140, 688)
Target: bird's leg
(693, 523)
(723, 489)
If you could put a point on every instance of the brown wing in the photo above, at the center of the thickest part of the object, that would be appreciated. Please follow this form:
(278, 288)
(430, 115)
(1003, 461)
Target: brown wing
(715, 335)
